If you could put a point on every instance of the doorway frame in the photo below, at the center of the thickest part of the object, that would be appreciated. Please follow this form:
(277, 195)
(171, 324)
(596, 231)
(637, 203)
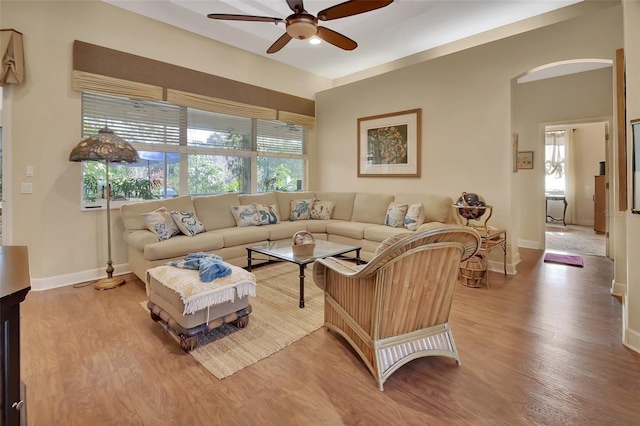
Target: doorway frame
(7, 164)
(609, 143)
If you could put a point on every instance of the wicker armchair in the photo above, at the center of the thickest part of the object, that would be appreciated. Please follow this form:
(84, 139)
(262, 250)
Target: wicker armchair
(396, 308)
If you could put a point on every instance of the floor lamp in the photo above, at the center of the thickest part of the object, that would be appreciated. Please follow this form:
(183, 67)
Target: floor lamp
(108, 147)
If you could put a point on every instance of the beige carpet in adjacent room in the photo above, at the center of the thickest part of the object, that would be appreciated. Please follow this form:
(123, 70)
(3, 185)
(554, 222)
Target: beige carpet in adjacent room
(275, 322)
(575, 239)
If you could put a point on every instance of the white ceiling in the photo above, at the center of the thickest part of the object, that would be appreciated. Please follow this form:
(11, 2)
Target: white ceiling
(403, 28)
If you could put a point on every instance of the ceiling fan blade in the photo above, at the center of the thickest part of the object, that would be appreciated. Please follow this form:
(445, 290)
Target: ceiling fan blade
(280, 43)
(296, 5)
(350, 8)
(228, 17)
(337, 39)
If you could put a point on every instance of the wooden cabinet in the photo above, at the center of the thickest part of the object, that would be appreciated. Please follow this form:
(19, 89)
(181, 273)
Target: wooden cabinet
(14, 285)
(600, 205)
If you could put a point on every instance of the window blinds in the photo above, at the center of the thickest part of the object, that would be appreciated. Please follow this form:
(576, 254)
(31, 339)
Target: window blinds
(135, 121)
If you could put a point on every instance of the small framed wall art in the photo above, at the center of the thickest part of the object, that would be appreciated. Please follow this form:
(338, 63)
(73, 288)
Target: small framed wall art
(525, 160)
(389, 145)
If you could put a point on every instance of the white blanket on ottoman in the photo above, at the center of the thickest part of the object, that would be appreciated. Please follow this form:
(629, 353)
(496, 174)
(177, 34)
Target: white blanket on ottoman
(197, 295)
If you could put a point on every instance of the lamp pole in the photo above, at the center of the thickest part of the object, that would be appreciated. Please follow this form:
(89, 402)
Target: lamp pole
(111, 281)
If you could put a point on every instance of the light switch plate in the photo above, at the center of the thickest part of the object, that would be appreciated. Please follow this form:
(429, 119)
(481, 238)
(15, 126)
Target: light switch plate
(27, 188)
(29, 170)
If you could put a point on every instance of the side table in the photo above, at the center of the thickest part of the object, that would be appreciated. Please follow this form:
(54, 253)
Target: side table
(491, 239)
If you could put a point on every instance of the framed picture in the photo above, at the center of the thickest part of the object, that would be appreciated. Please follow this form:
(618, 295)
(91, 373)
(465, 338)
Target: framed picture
(525, 160)
(389, 145)
(635, 134)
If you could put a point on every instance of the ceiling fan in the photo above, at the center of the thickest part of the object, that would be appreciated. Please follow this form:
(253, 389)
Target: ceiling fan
(302, 25)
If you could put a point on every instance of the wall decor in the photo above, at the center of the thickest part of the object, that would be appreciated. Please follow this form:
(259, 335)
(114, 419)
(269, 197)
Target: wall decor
(635, 131)
(525, 160)
(389, 144)
(514, 151)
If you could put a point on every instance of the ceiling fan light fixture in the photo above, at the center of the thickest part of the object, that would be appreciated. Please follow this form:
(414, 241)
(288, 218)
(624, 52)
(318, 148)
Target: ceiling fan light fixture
(315, 40)
(301, 28)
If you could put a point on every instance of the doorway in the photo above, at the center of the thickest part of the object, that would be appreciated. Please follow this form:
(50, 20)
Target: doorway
(573, 157)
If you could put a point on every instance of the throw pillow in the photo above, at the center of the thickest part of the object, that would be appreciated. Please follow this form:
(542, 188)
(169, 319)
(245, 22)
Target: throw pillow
(322, 209)
(301, 209)
(246, 215)
(160, 223)
(395, 215)
(415, 216)
(188, 223)
(267, 213)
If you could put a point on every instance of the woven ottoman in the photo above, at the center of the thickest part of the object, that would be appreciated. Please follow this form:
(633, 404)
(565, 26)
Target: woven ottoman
(190, 308)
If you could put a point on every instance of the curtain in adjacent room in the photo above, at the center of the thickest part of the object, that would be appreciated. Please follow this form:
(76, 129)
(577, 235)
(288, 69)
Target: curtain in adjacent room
(560, 171)
(12, 57)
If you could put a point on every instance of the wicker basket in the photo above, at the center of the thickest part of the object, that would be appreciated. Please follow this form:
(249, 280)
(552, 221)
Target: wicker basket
(472, 271)
(303, 243)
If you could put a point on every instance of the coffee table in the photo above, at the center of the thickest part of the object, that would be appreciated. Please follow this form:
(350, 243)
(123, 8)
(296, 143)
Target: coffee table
(281, 250)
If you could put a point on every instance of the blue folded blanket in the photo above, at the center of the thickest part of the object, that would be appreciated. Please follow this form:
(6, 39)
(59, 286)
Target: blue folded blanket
(209, 266)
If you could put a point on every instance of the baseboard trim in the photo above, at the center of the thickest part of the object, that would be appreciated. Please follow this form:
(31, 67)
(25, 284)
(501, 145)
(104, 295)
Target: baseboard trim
(49, 283)
(530, 244)
(618, 289)
(631, 339)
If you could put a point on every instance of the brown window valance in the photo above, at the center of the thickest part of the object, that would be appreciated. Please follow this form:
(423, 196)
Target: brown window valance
(109, 71)
(12, 57)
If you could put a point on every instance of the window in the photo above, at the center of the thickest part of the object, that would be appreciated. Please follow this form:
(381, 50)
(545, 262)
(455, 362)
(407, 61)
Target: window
(555, 162)
(189, 151)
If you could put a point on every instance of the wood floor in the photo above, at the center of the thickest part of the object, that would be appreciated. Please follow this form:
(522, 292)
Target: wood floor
(539, 348)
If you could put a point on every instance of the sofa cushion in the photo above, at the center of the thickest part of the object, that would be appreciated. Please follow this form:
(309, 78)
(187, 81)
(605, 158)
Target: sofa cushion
(268, 213)
(238, 236)
(285, 230)
(188, 223)
(321, 210)
(380, 233)
(395, 215)
(301, 209)
(160, 223)
(214, 211)
(371, 208)
(284, 201)
(132, 213)
(267, 198)
(140, 238)
(344, 203)
(181, 245)
(414, 217)
(245, 215)
(347, 229)
(388, 242)
(437, 208)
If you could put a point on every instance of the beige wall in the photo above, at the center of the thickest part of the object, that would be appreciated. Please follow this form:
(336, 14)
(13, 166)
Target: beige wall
(466, 105)
(45, 122)
(631, 295)
(575, 98)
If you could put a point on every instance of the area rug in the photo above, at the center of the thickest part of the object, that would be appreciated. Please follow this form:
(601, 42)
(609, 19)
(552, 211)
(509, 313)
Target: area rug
(275, 322)
(565, 259)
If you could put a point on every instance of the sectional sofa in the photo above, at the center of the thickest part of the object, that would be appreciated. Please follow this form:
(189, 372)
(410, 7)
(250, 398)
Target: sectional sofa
(226, 224)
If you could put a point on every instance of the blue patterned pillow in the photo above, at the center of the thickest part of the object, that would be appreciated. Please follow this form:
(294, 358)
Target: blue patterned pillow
(160, 223)
(322, 209)
(246, 215)
(188, 223)
(395, 215)
(268, 213)
(301, 209)
(415, 216)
